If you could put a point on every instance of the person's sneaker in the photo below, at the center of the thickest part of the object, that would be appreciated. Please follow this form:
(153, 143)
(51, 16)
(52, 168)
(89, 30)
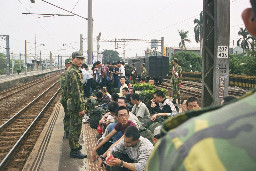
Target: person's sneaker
(77, 154)
(86, 119)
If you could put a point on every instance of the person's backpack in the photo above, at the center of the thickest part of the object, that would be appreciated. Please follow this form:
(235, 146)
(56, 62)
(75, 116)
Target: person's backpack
(96, 116)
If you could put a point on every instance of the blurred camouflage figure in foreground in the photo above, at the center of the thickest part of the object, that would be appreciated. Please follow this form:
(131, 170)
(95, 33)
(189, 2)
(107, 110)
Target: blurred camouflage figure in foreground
(219, 138)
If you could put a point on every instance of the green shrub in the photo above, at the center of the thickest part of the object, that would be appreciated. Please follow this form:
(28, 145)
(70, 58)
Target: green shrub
(143, 86)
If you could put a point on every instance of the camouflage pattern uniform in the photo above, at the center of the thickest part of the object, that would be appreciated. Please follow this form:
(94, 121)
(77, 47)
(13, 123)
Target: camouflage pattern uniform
(63, 99)
(144, 73)
(176, 81)
(219, 138)
(75, 104)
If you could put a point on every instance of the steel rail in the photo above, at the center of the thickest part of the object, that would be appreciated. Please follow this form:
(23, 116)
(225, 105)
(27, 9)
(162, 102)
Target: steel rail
(29, 128)
(24, 86)
(23, 109)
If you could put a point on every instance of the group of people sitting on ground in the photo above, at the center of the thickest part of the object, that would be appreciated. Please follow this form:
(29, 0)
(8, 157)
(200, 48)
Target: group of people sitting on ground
(186, 138)
(127, 122)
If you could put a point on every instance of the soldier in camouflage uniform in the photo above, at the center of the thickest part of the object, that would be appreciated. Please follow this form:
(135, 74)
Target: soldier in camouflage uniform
(63, 99)
(176, 80)
(219, 138)
(144, 72)
(75, 104)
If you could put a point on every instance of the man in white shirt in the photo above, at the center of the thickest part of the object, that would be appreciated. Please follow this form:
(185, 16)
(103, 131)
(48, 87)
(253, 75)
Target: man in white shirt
(139, 109)
(122, 85)
(121, 73)
(130, 153)
(87, 80)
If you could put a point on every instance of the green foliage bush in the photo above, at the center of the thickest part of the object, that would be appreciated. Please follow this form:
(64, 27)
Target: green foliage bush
(147, 91)
(189, 61)
(242, 65)
(143, 86)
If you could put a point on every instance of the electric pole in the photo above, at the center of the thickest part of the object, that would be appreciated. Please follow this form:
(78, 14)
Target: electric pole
(20, 61)
(25, 63)
(162, 46)
(81, 44)
(61, 62)
(215, 67)
(41, 63)
(50, 60)
(58, 61)
(7, 53)
(98, 45)
(90, 33)
(124, 52)
(12, 63)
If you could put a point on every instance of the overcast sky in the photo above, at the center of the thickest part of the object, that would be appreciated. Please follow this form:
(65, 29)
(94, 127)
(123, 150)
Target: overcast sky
(129, 19)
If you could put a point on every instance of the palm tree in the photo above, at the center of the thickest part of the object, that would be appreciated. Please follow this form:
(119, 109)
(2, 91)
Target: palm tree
(198, 30)
(244, 41)
(184, 38)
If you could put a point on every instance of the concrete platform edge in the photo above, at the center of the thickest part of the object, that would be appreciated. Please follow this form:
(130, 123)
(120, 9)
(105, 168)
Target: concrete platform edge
(50, 160)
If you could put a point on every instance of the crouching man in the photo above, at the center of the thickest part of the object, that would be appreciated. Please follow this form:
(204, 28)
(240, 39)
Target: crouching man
(130, 153)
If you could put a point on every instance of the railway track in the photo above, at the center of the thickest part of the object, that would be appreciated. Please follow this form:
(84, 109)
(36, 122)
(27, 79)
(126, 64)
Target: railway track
(17, 138)
(13, 91)
(17, 99)
(191, 88)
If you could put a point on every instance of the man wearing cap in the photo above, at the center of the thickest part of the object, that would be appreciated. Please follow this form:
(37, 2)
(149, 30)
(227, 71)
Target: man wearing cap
(176, 80)
(63, 99)
(75, 104)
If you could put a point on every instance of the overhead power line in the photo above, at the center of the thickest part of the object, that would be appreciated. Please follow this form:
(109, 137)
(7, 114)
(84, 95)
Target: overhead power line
(75, 6)
(65, 10)
(48, 15)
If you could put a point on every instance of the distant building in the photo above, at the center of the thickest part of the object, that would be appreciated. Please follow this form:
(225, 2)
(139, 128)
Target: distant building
(170, 51)
(237, 50)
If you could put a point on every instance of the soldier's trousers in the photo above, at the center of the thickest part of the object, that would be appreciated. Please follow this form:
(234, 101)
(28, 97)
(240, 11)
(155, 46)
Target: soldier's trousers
(66, 120)
(74, 130)
(175, 91)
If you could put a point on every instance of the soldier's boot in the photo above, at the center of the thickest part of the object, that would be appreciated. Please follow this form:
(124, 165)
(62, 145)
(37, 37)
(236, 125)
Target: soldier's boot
(77, 154)
(80, 147)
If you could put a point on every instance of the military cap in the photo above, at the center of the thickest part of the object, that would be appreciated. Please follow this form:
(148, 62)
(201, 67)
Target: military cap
(77, 54)
(68, 61)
